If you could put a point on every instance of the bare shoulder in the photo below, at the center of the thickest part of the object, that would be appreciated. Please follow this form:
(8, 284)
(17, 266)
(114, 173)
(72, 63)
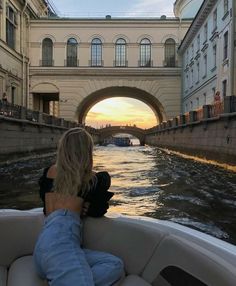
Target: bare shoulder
(52, 171)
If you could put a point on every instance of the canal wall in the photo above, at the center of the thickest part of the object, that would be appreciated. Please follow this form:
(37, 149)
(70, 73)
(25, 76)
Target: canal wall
(22, 137)
(209, 138)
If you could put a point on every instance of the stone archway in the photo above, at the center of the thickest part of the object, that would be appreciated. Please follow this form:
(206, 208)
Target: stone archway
(120, 91)
(113, 130)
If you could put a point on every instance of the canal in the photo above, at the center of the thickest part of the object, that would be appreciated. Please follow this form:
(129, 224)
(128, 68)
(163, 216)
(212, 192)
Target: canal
(147, 181)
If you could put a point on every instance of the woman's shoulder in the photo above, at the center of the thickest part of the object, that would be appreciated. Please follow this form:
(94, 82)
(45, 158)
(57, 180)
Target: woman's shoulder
(51, 172)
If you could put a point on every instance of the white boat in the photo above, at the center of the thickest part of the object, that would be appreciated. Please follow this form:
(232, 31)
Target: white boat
(155, 252)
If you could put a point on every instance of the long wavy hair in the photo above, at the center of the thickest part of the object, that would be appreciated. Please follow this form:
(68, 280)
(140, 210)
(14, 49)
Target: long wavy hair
(74, 163)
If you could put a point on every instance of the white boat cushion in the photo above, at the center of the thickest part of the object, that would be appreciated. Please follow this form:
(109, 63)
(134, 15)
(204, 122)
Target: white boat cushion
(3, 276)
(134, 280)
(19, 236)
(132, 242)
(22, 273)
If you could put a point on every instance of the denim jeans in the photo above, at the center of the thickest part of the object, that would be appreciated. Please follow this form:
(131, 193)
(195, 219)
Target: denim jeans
(60, 259)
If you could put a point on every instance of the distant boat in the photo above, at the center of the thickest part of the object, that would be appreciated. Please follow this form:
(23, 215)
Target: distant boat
(122, 141)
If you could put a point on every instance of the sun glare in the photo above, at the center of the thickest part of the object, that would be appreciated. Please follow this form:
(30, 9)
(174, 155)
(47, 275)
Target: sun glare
(121, 111)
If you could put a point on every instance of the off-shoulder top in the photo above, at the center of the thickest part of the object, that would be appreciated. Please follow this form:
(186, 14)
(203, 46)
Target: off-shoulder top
(98, 196)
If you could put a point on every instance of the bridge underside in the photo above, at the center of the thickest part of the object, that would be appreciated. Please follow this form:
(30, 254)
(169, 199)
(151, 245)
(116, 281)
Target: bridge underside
(130, 92)
(107, 132)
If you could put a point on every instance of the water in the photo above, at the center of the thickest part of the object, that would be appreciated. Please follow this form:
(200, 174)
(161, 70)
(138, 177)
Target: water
(147, 181)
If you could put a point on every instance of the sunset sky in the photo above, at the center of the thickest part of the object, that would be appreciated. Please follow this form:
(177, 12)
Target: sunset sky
(121, 111)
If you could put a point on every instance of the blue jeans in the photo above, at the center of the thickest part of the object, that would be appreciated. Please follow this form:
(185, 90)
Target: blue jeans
(60, 259)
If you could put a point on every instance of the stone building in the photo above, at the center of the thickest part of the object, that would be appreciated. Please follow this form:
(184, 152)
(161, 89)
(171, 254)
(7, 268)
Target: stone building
(208, 55)
(15, 16)
(64, 66)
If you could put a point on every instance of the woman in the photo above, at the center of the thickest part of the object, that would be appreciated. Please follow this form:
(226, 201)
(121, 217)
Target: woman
(58, 255)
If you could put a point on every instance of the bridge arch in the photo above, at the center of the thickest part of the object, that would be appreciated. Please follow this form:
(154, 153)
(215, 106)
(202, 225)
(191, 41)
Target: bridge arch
(120, 91)
(113, 130)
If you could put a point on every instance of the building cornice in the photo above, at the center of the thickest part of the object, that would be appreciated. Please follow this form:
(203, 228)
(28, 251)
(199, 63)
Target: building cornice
(92, 21)
(197, 23)
(88, 71)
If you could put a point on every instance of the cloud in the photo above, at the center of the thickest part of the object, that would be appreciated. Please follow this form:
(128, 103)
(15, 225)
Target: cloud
(152, 8)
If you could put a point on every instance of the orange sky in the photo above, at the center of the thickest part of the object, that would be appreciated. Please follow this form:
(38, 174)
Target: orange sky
(121, 111)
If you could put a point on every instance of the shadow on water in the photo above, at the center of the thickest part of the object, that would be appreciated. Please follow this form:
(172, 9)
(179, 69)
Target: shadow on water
(146, 181)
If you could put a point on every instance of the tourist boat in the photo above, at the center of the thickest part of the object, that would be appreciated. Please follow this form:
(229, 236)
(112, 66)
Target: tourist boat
(122, 141)
(155, 252)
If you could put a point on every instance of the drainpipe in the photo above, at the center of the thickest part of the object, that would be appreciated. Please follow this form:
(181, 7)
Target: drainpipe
(233, 42)
(23, 53)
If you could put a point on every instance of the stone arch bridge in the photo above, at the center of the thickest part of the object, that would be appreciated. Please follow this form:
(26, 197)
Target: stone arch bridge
(113, 130)
(78, 90)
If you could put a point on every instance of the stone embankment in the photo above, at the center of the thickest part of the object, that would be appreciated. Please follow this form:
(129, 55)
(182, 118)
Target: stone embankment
(202, 133)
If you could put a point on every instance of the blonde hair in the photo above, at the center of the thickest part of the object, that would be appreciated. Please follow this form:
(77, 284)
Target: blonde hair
(74, 163)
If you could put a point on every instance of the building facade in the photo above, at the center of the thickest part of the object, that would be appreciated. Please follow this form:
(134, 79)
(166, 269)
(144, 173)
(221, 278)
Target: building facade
(78, 62)
(208, 55)
(15, 16)
(63, 66)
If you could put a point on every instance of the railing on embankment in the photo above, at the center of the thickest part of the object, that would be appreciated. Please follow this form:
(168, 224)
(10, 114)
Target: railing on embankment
(209, 132)
(23, 130)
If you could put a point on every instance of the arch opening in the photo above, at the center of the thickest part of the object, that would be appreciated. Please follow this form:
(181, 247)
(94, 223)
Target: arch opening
(121, 92)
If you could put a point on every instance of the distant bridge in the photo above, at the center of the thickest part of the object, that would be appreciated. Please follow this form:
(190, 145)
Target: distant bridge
(113, 130)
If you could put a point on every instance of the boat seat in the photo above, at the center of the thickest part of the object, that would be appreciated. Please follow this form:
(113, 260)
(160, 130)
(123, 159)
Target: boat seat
(189, 258)
(3, 276)
(19, 232)
(22, 273)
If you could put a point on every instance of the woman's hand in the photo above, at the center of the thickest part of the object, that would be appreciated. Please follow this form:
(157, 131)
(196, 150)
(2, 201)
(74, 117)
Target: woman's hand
(85, 208)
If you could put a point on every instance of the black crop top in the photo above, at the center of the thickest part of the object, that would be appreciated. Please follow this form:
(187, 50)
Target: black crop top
(98, 196)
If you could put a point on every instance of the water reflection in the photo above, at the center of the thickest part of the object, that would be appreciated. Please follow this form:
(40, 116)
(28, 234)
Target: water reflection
(146, 181)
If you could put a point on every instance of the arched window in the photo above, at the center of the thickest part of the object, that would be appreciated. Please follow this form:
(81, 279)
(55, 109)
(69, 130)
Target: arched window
(145, 53)
(47, 53)
(96, 52)
(120, 53)
(170, 53)
(71, 53)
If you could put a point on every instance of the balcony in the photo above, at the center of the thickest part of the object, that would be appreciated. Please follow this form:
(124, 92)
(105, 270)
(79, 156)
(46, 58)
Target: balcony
(46, 63)
(120, 63)
(96, 63)
(145, 64)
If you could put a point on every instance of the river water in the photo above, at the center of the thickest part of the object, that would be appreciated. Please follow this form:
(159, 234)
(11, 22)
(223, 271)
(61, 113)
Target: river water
(147, 181)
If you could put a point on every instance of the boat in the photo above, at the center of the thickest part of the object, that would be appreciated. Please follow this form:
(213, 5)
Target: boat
(155, 252)
(122, 141)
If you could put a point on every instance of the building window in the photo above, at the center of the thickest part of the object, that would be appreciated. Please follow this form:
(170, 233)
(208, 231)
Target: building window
(192, 75)
(224, 88)
(197, 102)
(71, 53)
(198, 42)
(205, 32)
(214, 56)
(204, 65)
(47, 53)
(120, 53)
(170, 53)
(11, 22)
(198, 72)
(96, 52)
(215, 20)
(204, 98)
(191, 105)
(226, 39)
(186, 83)
(192, 48)
(145, 53)
(13, 95)
(226, 6)
(187, 57)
